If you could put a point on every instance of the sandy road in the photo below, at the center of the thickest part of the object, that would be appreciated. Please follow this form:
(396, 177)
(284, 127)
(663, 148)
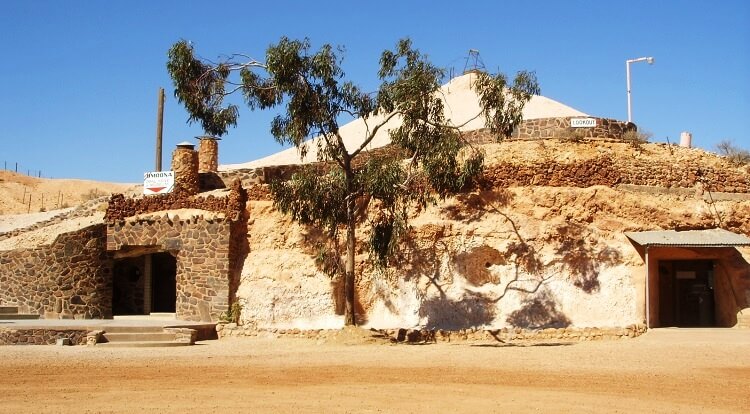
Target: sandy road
(664, 371)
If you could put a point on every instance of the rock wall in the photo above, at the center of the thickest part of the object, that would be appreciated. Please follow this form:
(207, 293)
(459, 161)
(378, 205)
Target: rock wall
(41, 336)
(201, 246)
(542, 128)
(434, 336)
(71, 278)
(232, 203)
(605, 171)
(530, 257)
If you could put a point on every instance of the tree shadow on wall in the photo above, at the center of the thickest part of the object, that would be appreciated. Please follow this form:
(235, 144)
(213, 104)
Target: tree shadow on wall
(473, 206)
(583, 259)
(472, 310)
(328, 253)
(539, 312)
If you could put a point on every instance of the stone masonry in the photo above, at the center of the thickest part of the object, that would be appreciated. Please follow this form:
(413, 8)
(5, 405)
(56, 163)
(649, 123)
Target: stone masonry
(201, 246)
(208, 154)
(71, 278)
(185, 167)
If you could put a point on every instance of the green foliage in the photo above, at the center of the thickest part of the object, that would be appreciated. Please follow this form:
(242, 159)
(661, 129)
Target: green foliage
(734, 154)
(233, 314)
(312, 197)
(201, 88)
(310, 86)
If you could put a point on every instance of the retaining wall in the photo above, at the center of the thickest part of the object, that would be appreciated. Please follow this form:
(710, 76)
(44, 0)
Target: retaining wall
(71, 278)
(10, 336)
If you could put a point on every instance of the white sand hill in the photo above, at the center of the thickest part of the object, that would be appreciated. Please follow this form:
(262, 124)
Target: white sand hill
(461, 105)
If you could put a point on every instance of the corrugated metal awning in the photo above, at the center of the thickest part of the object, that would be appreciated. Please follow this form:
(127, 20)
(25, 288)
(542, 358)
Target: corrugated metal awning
(688, 238)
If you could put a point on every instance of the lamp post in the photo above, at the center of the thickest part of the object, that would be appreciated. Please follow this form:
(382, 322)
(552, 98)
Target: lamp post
(650, 61)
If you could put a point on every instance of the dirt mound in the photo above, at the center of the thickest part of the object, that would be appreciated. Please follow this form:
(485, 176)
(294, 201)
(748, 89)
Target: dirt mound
(44, 194)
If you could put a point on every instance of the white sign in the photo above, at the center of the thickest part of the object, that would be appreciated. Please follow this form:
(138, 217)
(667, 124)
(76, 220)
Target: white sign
(158, 182)
(583, 122)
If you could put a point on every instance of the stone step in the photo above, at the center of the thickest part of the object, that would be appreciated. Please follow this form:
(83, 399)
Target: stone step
(4, 310)
(138, 337)
(17, 316)
(134, 329)
(141, 344)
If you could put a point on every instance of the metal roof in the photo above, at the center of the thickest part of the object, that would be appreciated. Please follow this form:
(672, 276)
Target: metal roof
(688, 238)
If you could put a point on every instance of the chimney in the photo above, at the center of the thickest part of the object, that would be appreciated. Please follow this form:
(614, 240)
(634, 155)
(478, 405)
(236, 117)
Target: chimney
(208, 154)
(686, 139)
(185, 167)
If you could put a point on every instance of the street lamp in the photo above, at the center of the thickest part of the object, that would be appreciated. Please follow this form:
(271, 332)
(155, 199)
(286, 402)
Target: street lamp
(650, 61)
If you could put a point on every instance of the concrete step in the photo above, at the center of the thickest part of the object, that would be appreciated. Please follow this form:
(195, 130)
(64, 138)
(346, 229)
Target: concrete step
(4, 310)
(142, 344)
(138, 336)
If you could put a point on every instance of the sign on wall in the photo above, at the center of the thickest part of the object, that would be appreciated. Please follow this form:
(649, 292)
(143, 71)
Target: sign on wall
(158, 182)
(583, 122)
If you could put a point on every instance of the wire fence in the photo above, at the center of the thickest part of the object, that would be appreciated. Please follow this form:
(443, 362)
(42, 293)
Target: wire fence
(21, 169)
(33, 200)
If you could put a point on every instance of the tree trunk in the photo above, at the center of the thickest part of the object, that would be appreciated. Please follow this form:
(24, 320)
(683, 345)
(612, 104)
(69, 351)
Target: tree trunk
(349, 311)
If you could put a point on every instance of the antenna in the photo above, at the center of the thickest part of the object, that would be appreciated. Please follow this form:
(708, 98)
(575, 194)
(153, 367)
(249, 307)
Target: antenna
(474, 62)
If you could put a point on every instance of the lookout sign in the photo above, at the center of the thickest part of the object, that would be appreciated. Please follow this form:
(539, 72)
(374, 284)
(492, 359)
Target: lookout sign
(158, 182)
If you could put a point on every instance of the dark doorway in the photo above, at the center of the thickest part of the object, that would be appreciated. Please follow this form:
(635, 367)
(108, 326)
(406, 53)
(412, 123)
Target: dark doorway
(127, 286)
(686, 293)
(163, 282)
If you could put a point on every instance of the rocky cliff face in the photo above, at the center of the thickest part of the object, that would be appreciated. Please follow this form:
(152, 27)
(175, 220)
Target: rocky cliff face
(527, 255)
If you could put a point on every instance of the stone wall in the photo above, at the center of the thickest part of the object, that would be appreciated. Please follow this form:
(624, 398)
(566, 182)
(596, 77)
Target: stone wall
(464, 335)
(45, 336)
(71, 278)
(202, 248)
(605, 171)
(560, 127)
(232, 205)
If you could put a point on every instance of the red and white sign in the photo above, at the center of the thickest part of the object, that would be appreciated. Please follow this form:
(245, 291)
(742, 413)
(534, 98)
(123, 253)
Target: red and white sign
(158, 182)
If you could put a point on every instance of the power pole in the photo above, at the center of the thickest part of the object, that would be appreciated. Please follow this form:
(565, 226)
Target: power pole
(159, 128)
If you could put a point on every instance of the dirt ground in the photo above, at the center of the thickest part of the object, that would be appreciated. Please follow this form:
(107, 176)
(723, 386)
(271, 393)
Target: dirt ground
(666, 370)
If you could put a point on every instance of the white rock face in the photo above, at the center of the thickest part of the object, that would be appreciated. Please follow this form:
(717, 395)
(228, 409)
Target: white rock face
(458, 273)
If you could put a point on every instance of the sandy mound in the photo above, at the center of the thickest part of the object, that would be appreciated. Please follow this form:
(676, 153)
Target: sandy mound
(49, 194)
(461, 105)
(48, 234)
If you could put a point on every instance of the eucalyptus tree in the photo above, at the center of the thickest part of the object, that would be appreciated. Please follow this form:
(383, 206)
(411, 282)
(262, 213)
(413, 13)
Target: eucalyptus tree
(429, 157)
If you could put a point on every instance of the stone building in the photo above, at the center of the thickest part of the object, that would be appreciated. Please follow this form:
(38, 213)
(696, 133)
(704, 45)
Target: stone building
(561, 237)
(177, 253)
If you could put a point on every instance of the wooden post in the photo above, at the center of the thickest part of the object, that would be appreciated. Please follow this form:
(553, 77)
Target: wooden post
(159, 128)
(29, 210)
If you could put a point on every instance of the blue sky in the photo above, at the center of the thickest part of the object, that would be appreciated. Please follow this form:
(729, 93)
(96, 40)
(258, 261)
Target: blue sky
(79, 79)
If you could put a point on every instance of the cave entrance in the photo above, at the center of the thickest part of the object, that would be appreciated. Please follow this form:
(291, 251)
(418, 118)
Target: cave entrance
(144, 284)
(686, 293)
